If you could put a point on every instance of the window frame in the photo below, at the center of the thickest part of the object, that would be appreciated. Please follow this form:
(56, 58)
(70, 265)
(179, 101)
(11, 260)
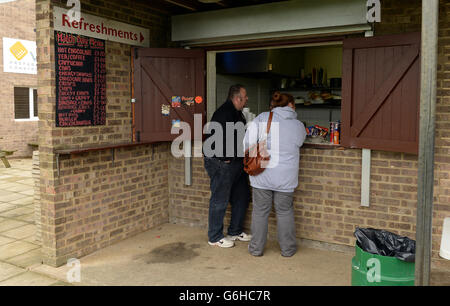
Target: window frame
(30, 105)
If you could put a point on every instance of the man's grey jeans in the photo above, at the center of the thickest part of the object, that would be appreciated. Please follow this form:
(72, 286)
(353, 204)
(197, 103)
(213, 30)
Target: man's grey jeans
(262, 205)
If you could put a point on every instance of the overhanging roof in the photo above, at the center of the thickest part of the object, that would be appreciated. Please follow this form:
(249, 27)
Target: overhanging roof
(288, 18)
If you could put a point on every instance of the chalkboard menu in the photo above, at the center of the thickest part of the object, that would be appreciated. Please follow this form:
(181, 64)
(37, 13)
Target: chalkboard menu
(80, 80)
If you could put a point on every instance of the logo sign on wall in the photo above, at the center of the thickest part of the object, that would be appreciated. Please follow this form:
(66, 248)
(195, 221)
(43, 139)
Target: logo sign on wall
(19, 56)
(101, 28)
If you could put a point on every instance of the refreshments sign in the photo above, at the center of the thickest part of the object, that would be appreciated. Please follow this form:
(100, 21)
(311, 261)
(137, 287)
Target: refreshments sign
(97, 27)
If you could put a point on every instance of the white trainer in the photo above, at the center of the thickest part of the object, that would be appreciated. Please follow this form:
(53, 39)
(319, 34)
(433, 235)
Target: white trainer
(223, 243)
(242, 237)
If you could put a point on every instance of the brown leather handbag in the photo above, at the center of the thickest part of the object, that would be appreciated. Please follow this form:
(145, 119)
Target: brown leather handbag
(256, 156)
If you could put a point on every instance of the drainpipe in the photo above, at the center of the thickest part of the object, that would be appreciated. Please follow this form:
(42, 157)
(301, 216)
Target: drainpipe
(430, 17)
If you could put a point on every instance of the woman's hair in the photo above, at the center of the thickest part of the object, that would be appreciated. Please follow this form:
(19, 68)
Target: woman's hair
(281, 100)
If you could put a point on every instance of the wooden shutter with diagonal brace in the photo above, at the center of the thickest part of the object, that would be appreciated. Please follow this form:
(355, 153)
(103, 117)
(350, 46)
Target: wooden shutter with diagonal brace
(160, 74)
(381, 93)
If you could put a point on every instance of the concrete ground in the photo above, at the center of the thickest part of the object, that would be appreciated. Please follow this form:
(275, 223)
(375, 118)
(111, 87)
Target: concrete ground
(171, 254)
(178, 255)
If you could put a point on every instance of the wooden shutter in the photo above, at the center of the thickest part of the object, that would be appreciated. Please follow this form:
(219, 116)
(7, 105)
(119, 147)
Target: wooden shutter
(381, 93)
(161, 74)
(21, 103)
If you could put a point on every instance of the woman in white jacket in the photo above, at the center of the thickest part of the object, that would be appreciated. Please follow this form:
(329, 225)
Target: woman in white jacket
(280, 178)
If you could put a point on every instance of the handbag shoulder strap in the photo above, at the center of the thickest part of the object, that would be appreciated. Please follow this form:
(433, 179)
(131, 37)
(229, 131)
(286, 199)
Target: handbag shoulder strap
(269, 123)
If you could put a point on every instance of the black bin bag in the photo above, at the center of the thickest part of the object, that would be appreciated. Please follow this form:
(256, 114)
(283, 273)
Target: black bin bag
(384, 243)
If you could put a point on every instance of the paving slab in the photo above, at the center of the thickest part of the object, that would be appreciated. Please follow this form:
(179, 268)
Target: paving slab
(29, 181)
(8, 271)
(17, 212)
(32, 239)
(15, 249)
(26, 218)
(12, 179)
(20, 170)
(28, 192)
(6, 186)
(27, 200)
(21, 232)
(8, 224)
(16, 188)
(29, 279)
(8, 196)
(26, 172)
(26, 260)
(6, 240)
(6, 207)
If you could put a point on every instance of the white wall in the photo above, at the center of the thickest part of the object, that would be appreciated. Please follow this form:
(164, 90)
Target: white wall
(258, 91)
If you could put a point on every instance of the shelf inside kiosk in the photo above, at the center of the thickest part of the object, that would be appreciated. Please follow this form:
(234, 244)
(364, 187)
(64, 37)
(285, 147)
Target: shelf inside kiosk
(311, 74)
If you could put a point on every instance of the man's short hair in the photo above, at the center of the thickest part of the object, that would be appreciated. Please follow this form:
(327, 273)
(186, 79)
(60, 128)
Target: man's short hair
(234, 91)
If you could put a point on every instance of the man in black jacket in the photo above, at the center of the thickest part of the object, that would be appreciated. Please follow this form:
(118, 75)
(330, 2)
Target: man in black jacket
(229, 182)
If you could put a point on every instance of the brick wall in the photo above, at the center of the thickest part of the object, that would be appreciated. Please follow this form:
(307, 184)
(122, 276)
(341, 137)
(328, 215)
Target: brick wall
(442, 147)
(89, 201)
(327, 200)
(397, 17)
(104, 198)
(93, 199)
(16, 21)
(329, 195)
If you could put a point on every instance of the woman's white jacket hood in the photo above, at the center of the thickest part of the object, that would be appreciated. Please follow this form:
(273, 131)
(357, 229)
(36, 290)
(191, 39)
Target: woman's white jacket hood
(285, 138)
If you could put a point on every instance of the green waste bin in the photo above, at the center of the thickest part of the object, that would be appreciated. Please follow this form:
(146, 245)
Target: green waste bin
(376, 270)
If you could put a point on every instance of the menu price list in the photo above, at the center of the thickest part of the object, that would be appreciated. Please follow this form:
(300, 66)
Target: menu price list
(80, 80)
